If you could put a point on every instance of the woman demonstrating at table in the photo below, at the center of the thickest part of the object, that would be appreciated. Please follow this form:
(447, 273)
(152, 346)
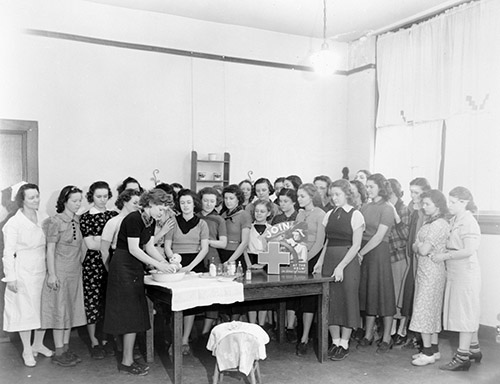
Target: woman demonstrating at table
(126, 202)
(188, 238)
(430, 277)
(463, 279)
(376, 290)
(62, 293)
(92, 223)
(238, 223)
(310, 200)
(126, 308)
(344, 230)
(24, 269)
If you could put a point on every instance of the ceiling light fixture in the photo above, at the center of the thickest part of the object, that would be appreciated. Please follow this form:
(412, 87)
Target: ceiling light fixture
(324, 61)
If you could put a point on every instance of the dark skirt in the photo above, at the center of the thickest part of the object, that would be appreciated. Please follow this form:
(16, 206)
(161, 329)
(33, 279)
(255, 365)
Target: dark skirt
(344, 296)
(126, 305)
(376, 287)
(409, 288)
(187, 258)
(225, 254)
(309, 304)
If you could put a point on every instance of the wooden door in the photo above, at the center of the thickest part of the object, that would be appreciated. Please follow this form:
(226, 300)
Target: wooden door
(18, 162)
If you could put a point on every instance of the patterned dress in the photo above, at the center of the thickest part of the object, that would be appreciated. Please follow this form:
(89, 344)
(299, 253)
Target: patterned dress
(430, 280)
(94, 273)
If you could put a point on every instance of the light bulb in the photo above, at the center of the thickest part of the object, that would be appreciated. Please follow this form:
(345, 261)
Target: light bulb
(324, 62)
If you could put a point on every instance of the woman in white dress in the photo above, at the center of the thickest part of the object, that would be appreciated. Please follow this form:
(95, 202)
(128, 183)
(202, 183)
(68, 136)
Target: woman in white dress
(461, 308)
(24, 268)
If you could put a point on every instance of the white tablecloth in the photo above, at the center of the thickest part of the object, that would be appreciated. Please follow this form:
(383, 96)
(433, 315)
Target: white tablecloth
(194, 291)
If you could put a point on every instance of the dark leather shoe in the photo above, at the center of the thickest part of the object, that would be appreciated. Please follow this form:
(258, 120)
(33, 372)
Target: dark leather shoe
(340, 354)
(63, 360)
(365, 343)
(301, 349)
(399, 340)
(456, 364)
(332, 350)
(476, 356)
(97, 352)
(384, 346)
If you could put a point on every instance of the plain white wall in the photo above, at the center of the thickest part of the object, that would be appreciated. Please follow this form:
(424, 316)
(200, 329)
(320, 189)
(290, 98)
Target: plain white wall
(106, 112)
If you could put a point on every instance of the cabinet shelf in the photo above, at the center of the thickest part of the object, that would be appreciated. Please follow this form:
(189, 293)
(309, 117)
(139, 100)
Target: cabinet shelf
(213, 161)
(209, 167)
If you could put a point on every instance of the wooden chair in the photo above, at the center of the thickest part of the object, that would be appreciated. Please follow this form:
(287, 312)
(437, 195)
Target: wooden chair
(238, 347)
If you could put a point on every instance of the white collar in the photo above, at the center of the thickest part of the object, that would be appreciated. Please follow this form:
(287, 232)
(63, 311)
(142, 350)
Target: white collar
(347, 208)
(93, 211)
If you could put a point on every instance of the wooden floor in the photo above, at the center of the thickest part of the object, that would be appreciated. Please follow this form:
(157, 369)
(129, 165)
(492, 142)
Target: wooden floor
(281, 367)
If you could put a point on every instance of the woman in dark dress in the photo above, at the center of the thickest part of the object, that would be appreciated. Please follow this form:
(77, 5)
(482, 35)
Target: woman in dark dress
(94, 273)
(376, 289)
(344, 230)
(126, 309)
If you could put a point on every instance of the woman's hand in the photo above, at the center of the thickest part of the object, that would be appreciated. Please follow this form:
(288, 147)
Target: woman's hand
(185, 269)
(12, 286)
(166, 267)
(53, 282)
(338, 274)
(317, 268)
(438, 257)
(360, 258)
(169, 224)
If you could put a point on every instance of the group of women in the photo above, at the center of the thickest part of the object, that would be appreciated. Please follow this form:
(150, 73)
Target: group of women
(388, 261)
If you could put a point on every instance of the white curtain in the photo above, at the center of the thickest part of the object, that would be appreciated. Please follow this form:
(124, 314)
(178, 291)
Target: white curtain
(446, 66)
(472, 157)
(409, 151)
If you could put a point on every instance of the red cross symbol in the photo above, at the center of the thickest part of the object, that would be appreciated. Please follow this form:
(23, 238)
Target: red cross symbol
(274, 258)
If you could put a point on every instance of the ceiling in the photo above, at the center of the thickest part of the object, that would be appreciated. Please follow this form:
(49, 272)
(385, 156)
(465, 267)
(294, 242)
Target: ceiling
(346, 19)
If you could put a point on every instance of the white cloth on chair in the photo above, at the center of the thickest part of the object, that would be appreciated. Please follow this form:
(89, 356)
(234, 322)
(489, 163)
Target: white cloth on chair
(238, 345)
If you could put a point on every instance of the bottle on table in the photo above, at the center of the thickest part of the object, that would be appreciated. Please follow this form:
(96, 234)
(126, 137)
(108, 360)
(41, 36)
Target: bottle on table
(213, 268)
(231, 270)
(239, 269)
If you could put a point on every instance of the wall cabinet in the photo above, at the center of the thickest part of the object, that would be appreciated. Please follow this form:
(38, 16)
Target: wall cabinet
(209, 170)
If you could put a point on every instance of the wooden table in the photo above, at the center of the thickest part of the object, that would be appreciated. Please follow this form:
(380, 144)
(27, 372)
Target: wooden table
(262, 286)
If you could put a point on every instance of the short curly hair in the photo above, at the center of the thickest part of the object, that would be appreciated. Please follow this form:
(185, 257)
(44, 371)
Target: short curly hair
(128, 180)
(234, 189)
(263, 180)
(21, 193)
(154, 196)
(312, 191)
(125, 197)
(97, 185)
(384, 187)
(361, 190)
(194, 196)
(344, 186)
(64, 196)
